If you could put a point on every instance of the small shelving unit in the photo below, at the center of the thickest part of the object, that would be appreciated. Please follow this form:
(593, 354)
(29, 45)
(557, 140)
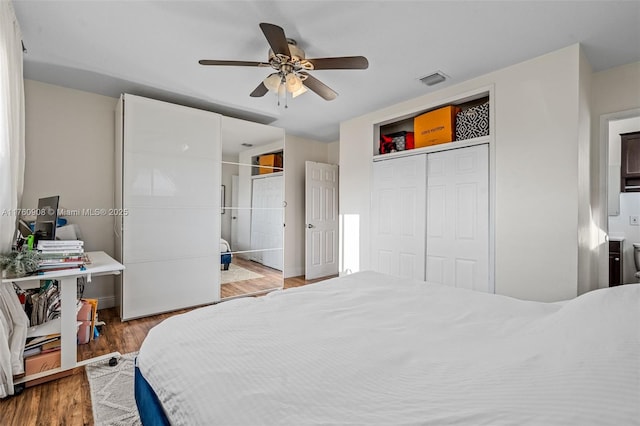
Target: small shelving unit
(277, 166)
(405, 123)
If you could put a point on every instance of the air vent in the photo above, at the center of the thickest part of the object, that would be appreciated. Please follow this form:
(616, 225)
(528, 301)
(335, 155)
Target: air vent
(433, 79)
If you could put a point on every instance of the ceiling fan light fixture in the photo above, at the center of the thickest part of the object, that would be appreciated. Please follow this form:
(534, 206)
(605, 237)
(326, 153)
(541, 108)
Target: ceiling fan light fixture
(272, 82)
(293, 83)
(299, 92)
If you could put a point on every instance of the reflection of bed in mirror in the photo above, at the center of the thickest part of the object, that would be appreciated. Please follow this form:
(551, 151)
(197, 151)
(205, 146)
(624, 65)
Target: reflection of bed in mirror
(225, 254)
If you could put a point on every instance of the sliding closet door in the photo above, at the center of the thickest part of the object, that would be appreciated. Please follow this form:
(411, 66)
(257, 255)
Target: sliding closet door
(171, 190)
(398, 210)
(458, 218)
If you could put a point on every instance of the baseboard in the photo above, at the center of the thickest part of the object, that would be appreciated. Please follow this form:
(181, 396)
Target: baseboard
(294, 272)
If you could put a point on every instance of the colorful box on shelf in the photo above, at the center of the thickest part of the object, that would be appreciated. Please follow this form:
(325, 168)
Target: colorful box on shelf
(473, 122)
(435, 127)
(270, 161)
(398, 141)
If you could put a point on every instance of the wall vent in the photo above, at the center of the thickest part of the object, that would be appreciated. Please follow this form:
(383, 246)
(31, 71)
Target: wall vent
(433, 79)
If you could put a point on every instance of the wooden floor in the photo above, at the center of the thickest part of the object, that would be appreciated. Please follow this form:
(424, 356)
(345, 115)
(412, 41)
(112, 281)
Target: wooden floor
(271, 278)
(67, 401)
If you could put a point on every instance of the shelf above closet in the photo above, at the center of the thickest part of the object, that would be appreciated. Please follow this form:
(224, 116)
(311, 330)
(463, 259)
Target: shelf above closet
(474, 108)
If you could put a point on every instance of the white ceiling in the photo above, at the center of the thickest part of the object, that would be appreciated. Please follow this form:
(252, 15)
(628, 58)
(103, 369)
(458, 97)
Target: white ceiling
(152, 48)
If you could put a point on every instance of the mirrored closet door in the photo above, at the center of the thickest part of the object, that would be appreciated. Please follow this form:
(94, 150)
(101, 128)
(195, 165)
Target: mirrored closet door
(252, 213)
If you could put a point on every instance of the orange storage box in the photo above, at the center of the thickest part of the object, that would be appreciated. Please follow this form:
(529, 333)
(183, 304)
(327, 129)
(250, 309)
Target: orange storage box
(435, 127)
(270, 160)
(41, 362)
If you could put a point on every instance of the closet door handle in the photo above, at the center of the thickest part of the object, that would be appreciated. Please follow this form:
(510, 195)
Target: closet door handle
(310, 226)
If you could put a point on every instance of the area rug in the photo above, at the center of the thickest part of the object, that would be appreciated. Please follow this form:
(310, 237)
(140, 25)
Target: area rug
(237, 273)
(111, 390)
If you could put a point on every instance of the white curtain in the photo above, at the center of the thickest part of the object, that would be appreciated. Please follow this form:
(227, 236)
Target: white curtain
(11, 123)
(13, 321)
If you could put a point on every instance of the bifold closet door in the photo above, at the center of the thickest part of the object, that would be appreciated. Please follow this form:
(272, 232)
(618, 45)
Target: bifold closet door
(170, 158)
(398, 211)
(457, 251)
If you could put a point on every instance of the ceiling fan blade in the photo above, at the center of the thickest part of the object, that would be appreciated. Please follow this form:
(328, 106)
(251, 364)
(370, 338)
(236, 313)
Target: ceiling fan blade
(341, 63)
(259, 91)
(276, 38)
(233, 63)
(319, 87)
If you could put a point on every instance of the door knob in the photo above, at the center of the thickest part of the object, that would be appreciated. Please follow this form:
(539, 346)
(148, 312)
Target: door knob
(309, 226)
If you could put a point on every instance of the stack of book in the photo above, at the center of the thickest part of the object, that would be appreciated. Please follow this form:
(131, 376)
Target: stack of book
(60, 254)
(42, 344)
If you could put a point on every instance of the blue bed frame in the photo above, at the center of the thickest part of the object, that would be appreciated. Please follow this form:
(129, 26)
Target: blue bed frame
(149, 407)
(225, 260)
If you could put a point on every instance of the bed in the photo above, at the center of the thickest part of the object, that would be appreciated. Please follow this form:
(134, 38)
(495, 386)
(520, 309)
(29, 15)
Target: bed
(373, 349)
(225, 254)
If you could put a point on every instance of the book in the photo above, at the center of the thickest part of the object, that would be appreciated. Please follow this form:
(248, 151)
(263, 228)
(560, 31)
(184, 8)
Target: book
(56, 253)
(60, 243)
(64, 260)
(94, 315)
(32, 351)
(54, 344)
(39, 341)
(59, 268)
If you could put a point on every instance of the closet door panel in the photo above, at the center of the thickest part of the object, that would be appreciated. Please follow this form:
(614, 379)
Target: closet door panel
(170, 187)
(161, 180)
(160, 286)
(267, 220)
(398, 209)
(149, 240)
(458, 218)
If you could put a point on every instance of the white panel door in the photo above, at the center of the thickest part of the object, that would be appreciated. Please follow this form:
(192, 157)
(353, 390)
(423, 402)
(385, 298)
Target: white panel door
(321, 217)
(170, 161)
(458, 218)
(397, 211)
(267, 221)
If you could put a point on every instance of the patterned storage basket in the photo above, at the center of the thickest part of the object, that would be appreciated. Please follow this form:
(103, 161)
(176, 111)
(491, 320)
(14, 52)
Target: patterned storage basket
(473, 122)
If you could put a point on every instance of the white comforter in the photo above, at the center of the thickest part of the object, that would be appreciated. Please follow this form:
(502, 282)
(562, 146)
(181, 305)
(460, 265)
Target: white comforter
(224, 246)
(371, 349)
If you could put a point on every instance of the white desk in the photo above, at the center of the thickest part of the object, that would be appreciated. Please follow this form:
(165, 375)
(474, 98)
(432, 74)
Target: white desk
(101, 264)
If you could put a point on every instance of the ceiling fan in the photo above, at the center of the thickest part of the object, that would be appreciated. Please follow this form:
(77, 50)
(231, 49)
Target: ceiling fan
(292, 68)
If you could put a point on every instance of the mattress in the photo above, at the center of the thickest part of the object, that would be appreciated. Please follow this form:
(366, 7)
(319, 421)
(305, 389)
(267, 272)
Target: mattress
(224, 246)
(374, 349)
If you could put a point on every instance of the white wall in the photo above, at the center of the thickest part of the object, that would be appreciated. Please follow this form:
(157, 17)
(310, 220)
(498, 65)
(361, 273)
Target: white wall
(613, 92)
(333, 152)
(537, 138)
(297, 151)
(70, 152)
(587, 229)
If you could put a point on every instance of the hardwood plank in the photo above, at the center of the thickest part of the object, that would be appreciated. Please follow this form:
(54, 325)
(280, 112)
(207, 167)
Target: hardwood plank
(67, 401)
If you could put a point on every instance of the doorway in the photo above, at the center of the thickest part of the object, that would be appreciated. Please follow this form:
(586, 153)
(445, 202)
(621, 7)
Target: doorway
(616, 253)
(321, 217)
